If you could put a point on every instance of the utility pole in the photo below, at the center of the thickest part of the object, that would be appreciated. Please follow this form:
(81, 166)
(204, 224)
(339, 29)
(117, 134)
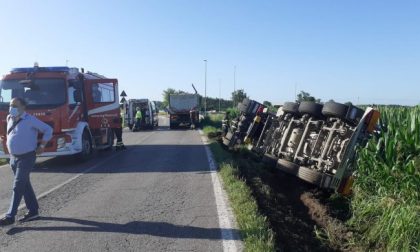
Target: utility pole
(205, 87)
(295, 91)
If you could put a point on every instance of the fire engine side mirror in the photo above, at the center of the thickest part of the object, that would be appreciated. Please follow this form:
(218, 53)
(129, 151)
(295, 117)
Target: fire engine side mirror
(77, 95)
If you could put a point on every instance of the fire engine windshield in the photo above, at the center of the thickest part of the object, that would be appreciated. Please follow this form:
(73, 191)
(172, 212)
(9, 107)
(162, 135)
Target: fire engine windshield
(37, 92)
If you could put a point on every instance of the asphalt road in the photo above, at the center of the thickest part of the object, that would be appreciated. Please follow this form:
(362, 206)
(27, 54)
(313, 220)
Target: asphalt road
(156, 196)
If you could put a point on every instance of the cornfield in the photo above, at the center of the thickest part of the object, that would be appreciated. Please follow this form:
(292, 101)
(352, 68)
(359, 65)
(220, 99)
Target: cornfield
(386, 209)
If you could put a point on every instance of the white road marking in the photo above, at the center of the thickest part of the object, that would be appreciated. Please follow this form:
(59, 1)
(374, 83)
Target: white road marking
(224, 212)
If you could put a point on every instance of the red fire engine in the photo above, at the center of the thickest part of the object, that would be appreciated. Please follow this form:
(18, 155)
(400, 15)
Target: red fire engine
(82, 108)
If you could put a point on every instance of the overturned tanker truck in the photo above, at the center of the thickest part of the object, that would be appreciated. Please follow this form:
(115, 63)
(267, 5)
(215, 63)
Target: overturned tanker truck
(315, 142)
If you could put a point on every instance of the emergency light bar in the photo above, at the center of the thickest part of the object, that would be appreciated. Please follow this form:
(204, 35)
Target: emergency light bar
(40, 69)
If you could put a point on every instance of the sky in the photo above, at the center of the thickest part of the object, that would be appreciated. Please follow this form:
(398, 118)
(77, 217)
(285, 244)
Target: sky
(359, 51)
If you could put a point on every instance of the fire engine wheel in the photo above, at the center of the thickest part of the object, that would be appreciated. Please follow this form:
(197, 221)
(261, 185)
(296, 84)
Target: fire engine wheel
(269, 160)
(311, 108)
(334, 109)
(87, 151)
(291, 107)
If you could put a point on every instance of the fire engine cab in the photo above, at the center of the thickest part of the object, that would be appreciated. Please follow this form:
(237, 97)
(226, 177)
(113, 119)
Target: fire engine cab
(82, 108)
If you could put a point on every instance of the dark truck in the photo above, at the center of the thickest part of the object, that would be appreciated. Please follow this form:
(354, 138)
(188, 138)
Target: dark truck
(235, 131)
(183, 110)
(317, 142)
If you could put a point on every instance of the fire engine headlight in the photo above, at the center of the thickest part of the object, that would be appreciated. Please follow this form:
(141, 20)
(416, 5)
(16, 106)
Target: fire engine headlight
(61, 142)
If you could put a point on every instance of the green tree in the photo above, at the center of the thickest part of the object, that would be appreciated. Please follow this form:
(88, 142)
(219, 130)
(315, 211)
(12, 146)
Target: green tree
(305, 96)
(238, 96)
(166, 93)
(267, 104)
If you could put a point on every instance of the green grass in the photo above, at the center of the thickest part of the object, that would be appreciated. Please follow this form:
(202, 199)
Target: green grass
(386, 209)
(3, 161)
(385, 205)
(254, 228)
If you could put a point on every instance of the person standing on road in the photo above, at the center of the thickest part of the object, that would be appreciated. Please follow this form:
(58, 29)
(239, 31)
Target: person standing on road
(22, 138)
(118, 131)
(139, 117)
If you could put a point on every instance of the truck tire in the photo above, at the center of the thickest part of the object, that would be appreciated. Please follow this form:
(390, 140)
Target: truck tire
(172, 125)
(311, 108)
(291, 107)
(309, 175)
(304, 173)
(287, 166)
(334, 109)
(87, 150)
(269, 159)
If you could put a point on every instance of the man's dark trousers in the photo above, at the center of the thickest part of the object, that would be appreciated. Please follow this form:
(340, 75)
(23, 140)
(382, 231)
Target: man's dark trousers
(22, 166)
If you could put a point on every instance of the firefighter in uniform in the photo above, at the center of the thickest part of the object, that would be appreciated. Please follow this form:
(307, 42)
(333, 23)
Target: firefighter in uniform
(118, 134)
(138, 117)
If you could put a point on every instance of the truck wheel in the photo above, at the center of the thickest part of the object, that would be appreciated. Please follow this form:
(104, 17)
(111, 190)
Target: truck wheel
(87, 151)
(172, 126)
(291, 107)
(312, 108)
(312, 176)
(269, 160)
(334, 109)
(287, 166)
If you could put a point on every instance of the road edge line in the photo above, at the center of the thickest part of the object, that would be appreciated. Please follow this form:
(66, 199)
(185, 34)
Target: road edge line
(227, 222)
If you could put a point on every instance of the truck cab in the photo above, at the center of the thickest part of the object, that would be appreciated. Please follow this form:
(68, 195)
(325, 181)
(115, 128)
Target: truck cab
(82, 108)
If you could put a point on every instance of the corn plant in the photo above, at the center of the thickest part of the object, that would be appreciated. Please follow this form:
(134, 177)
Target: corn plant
(386, 209)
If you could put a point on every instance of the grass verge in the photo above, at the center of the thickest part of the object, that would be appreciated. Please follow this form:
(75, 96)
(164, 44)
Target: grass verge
(254, 227)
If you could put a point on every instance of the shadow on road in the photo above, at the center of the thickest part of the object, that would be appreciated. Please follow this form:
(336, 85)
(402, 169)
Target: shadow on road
(137, 158)
(160, 229)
